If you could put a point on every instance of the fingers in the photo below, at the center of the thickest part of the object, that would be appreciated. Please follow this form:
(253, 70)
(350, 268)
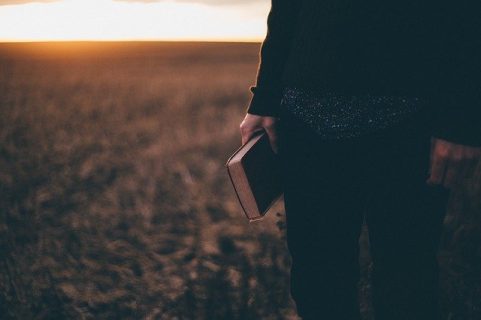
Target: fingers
(469, 169)
(254, 123)
(273, 137)
(454, 174)
(438, 166)
(248, 133)
(471, 163)
(458, 171)
(456, 168)
(249, 126)
(451, 164)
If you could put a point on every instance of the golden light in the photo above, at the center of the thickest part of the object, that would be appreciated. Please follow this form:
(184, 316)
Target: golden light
(120, 20)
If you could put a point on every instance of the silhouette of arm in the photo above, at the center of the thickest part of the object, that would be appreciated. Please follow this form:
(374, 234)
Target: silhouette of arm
(281, 25)
(458, 104)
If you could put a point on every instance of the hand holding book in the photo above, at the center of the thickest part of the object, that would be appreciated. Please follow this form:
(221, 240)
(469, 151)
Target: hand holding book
(254, 173)
(254, 123)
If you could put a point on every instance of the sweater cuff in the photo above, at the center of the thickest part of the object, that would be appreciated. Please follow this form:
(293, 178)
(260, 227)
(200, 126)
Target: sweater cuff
(459, 124)
(464, 133)
(265, 102)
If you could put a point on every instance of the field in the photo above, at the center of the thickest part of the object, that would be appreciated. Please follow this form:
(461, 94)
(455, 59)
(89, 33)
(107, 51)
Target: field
(114, 199)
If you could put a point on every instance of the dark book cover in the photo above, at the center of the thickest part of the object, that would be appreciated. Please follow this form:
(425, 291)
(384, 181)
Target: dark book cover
(254, 172)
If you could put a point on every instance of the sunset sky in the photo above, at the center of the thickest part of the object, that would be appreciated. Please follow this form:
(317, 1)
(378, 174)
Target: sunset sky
(24, 20)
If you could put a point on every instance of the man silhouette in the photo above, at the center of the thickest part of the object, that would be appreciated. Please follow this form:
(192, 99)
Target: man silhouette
(372, 107)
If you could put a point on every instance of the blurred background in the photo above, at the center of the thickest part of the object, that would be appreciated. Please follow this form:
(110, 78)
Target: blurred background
(114, 199)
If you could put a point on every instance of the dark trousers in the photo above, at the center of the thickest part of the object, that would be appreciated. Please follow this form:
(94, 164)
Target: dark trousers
(330, 188)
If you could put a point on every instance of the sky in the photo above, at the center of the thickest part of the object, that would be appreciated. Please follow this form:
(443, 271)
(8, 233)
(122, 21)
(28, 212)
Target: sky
(212, 20)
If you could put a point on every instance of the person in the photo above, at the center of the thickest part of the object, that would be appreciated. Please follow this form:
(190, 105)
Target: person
(372, 108)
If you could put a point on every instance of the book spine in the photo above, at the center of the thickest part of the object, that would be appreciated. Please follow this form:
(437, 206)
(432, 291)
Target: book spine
(239, 199)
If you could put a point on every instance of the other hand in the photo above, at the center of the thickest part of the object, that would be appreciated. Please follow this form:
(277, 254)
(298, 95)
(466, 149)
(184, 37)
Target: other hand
(451, 163)
(253, 123)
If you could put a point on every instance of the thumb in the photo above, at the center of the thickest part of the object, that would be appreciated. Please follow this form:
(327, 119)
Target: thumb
(247, 135)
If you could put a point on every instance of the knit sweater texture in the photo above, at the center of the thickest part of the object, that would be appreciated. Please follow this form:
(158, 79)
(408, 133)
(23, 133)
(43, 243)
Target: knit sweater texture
(428, 49)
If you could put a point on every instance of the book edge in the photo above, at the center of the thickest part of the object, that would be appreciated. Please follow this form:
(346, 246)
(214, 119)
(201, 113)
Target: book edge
(239, 150)
(251, 195)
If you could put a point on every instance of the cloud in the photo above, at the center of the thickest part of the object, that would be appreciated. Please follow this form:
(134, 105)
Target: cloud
(209, 2)
(7, 2)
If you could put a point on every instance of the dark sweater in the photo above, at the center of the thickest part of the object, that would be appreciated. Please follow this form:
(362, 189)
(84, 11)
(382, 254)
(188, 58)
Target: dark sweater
(429, 49)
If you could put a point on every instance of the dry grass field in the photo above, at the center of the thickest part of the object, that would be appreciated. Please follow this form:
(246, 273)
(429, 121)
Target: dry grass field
(114, 199)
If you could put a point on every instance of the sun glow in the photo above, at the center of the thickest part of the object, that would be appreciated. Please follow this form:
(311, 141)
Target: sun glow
(116, 20)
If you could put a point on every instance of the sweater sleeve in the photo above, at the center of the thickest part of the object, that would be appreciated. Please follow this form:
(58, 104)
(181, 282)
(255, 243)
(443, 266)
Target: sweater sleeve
(281, 24)
(458, 105)
(459, 119)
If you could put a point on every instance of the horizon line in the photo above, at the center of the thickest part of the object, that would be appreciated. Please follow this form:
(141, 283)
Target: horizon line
(232, 40)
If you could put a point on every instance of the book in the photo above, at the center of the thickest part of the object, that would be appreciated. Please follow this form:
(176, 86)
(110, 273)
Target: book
(254, 173)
